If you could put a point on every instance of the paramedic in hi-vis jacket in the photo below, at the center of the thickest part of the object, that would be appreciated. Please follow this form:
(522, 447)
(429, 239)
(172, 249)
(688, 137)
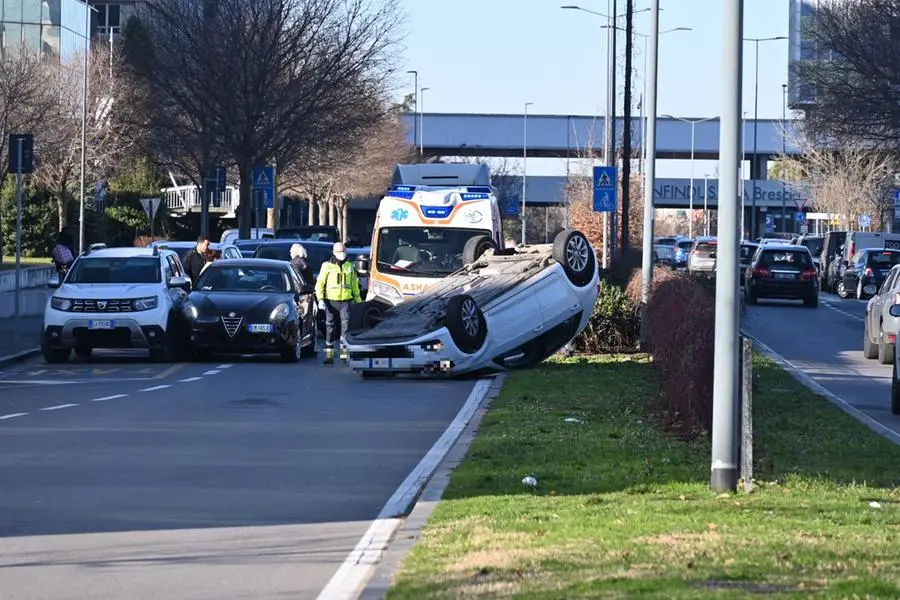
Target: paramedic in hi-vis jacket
(336, 288)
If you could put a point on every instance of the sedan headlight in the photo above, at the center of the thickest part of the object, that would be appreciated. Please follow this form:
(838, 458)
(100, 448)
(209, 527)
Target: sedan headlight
(60, 303)
(146, 303)
(386, 291)
(280, 312)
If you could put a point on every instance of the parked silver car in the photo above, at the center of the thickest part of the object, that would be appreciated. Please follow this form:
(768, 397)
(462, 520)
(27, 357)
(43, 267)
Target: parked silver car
(702, 259)
(881, 326)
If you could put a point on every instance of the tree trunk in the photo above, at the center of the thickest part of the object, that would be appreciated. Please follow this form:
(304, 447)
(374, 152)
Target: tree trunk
(62, 211)
(330, 212)
(245, 208)
(626, 132)
(321, 214)
(345, 218)
(311, 217)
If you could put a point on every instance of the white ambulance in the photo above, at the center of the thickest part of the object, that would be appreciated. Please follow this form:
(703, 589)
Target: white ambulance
(434, 219)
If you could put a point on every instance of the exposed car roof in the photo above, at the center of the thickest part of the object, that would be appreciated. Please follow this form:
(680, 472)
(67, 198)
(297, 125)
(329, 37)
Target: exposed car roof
(252, 262)
(188, 244)
(123, 252)
(783, 247)
(292, 241)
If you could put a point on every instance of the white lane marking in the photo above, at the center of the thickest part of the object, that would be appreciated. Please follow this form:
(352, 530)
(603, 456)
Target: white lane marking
(154, 388)
(59, 406)
(105, 398)
(818, 388)
(829, 305)
(351, 578)
(212, 372)
(189, 379)
(223, 366)
(12, 416)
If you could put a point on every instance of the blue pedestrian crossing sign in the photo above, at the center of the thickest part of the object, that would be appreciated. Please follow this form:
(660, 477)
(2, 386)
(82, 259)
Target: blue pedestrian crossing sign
(264, 186)
(605, 189)
(865, 221)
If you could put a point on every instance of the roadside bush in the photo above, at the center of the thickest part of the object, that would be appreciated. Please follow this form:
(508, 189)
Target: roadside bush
(39, 219)
(613, 327)
(681, 328)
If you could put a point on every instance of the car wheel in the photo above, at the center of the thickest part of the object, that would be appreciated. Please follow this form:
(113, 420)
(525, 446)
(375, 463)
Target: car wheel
(475, 247)
(841, 289)
(885, 351)
(54, 355)
(170, 350)
(751, 297)
(377, 374)
(365, 315)
(811, 301)
(572, 250)
(466, 323)
(295, 352)
(310, 351)
(83, 352)
(870, 348)
(895, 393)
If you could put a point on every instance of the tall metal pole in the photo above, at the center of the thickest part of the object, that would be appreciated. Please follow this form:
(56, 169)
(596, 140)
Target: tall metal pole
(754, 161)
(422, 125)
(643, 111)
(743, 159)
(724, 459)
(524, 163)
(705, 205)
(691, 191)
(20, 153)
(415, 75)
(611, 121)
(84, 102)
(647, 255)
(784, 223)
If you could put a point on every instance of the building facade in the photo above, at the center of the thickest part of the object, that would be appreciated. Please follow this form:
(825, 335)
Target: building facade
(56, 28)
(109, 16)
(802, 49)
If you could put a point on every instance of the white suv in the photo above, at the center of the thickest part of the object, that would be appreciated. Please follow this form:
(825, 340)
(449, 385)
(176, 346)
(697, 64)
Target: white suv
(117, 298)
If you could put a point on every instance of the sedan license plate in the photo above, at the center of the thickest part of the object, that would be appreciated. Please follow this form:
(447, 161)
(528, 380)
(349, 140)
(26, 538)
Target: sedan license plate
(260, 327)
(101, 324)
(380, 363)
(784, 276)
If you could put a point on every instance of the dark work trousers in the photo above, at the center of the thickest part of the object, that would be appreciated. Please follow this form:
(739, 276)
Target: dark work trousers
(335, 309)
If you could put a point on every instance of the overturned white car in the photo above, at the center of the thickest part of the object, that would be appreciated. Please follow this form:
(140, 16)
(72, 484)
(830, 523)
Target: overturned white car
(509, 309)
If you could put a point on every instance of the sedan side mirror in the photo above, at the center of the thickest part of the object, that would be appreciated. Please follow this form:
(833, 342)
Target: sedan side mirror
(53, 281)
(894, 310)
(362, 265)
(180, 282)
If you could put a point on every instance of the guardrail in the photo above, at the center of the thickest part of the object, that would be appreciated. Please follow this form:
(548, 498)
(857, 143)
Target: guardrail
(186, 198)
(30, 277)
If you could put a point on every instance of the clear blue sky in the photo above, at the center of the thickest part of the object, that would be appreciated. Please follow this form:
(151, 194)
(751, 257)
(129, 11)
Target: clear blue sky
(495, 55)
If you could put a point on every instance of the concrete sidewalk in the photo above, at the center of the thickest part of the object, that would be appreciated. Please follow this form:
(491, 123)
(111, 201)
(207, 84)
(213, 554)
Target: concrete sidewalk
(31, 303)
(19, 338)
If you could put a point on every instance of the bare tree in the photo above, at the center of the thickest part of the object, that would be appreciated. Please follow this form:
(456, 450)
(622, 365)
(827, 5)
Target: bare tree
(266, 81)
(853, 70)
(849, 182)
(59, 139)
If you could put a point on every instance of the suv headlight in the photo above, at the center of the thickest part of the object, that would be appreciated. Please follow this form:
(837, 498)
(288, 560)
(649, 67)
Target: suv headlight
(386, 291)
(60, 303)
(146, 303)
(279, 312)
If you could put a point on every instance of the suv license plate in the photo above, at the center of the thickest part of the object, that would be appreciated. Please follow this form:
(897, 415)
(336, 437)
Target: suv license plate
(102, 324)
(260, 327)
(784, 275)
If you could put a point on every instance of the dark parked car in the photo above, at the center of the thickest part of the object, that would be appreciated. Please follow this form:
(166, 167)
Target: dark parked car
(310, 233)
(866, 270)
(829, 259)
(252, 306)
(748, 249)
(782, 271)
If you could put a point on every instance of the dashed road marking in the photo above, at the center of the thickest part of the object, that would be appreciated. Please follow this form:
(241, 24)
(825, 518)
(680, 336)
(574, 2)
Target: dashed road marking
(12, 416)
(113, 397)
(189, 379)
(59, 406)
(169, 371)
(212, 372)
(830, 306)
(154, 388)
(223, 366)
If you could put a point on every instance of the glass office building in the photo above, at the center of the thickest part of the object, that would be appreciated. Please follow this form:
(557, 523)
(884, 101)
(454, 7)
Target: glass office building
(55, 27)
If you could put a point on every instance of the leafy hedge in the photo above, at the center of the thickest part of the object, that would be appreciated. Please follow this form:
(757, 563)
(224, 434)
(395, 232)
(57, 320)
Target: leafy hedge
(613, 327)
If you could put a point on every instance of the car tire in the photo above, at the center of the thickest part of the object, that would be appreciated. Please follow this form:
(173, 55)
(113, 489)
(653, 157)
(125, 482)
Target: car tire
(54, 355)
(895, 392)
(870, 348)
(841, 289)
(365, 315)
(466, 323)
(885, 351)
(83, 352)
(377, 374)
(751, 297)
(811, 301)
(476, 247)
(572, 250)
(294, 353)
(171, 348)
(310, 351)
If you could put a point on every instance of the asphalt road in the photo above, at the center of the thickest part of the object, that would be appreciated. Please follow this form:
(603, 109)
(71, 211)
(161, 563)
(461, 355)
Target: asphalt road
(245, 478)
(826, 344)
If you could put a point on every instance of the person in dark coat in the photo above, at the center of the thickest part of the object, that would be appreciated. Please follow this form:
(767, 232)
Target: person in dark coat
(195, 260)
(301, 264)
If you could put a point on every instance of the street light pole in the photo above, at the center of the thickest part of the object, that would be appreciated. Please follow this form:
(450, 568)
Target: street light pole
(415, 75)
(650, 173)
(524, 163)
(705, 205)
(422, 126)
(84, 111)
(691, 191)
(784, 223)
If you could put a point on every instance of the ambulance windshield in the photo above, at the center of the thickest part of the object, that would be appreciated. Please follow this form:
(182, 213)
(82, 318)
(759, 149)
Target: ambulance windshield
(423, 251)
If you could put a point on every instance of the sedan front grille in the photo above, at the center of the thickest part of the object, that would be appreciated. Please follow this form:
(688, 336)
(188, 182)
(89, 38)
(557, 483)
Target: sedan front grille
(101, 306)
(232, 324)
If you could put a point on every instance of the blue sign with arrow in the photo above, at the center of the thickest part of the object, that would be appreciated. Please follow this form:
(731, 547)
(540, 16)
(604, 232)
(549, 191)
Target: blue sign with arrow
(264, 186)
(605, 189)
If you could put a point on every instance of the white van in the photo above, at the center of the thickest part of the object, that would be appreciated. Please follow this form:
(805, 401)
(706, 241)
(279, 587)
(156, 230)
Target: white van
(256, 233)
(860, 240)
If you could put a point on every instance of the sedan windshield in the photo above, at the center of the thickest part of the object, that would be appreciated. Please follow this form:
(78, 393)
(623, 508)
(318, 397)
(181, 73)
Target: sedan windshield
(316, 254)
(115, 270)
(423, 251)
(228, 278)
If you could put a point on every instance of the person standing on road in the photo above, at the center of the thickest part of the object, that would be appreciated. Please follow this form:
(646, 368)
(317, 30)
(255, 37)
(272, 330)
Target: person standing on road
(195, 260)
(301, 264)
(336, 288)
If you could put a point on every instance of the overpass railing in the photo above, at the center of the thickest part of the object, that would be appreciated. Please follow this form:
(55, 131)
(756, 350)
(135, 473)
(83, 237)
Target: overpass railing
(186, 198)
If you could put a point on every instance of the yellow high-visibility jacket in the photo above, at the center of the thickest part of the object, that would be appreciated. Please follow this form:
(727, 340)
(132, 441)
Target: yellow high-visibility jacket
(338, 282)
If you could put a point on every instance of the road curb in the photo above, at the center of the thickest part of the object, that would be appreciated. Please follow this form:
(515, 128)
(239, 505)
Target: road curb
(407, 535)
(819, 389)
(428, 478)
(12, 359)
